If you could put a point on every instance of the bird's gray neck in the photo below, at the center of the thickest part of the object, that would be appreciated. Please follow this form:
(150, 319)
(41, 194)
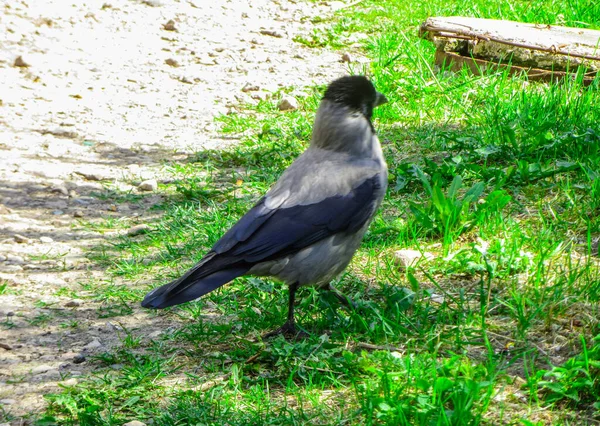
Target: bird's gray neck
(338, 128)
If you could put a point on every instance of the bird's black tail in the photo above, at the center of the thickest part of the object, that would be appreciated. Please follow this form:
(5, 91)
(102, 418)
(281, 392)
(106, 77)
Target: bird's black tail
(195, 283)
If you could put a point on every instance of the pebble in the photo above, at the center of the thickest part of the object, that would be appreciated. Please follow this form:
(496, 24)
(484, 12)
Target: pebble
(172, 62)
(13, 268)
(169, 26)
(77, 213)
(152, 3)
(7, 401)
(46, 240)
(272, 33)
(2, 258)
(346, 57)
(20, 62)
(137, 230)
(58, 212)
(13, 258)
(60, 188)
(78, 359)
(4, 209)
(407, 258)
(94, 344)
(148, 185)
(32, 266)
(21, 239)
(288, 103)
(70, 382)
(134, 423)
(40, 369)
(73, 303)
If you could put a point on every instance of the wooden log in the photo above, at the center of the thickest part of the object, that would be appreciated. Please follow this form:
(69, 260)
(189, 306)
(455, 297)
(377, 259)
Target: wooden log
(544, 52)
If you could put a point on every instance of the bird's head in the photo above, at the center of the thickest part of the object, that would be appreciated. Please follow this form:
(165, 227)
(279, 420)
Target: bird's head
(343, 121)
(355, 92)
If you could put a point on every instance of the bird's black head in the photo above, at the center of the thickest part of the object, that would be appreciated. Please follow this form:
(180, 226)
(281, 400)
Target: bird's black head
(355, 92)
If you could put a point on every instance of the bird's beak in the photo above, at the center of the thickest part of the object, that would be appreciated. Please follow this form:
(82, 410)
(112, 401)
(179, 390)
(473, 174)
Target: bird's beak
(380, 99)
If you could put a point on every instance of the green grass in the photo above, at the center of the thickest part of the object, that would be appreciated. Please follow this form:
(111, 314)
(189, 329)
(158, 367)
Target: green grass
(496, 176)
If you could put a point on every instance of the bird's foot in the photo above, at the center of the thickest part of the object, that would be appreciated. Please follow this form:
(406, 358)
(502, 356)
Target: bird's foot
(288, 330)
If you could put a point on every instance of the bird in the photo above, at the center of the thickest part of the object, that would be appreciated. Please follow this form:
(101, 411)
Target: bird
(305, 230)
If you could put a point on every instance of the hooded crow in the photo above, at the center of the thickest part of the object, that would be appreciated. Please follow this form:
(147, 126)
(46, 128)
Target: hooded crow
(305, 230)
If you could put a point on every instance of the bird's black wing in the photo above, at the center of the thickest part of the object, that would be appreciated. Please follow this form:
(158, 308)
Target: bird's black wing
(264, 234)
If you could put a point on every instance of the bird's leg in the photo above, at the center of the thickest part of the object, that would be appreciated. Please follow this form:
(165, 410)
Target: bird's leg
(289, 327)
(344, 300)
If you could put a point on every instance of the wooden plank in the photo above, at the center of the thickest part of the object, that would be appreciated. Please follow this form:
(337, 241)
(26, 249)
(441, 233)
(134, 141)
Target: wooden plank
(545, 52)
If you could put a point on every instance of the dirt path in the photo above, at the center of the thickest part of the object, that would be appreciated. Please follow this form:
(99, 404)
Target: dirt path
(103, 93)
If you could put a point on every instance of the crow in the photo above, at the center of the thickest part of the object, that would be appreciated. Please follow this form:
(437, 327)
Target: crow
(307, 227)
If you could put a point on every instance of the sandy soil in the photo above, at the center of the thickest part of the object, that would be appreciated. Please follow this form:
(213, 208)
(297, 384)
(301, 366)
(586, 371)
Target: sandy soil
(96, 95)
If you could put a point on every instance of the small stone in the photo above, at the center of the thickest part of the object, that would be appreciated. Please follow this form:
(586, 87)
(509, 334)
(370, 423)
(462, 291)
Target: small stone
(7, 401)
(21, 239)
(155, 334)
(134, 423)
(437, 298)
(172, 62)
(31, 266)
(249, 87)
(58, 212)
(109, 327)
(272, 33)
(78, 213)
(60, 132)
(2, 258)
(152, 3)
(94, 344)
(13, 258)
(137, 230)
(5, 346)
(60, 188)
(40, 369)
(75, 303)
(4, 209)
(408, 258)
(20, 62)
(78, 359)
(46, 240)
(346, 57)
(169, 26)
(70, 382)
(148, 185)
(13, 268)
(288, 103)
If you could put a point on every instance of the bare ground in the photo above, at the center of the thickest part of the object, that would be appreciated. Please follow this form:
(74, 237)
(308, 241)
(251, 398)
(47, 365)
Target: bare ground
(104, 93)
